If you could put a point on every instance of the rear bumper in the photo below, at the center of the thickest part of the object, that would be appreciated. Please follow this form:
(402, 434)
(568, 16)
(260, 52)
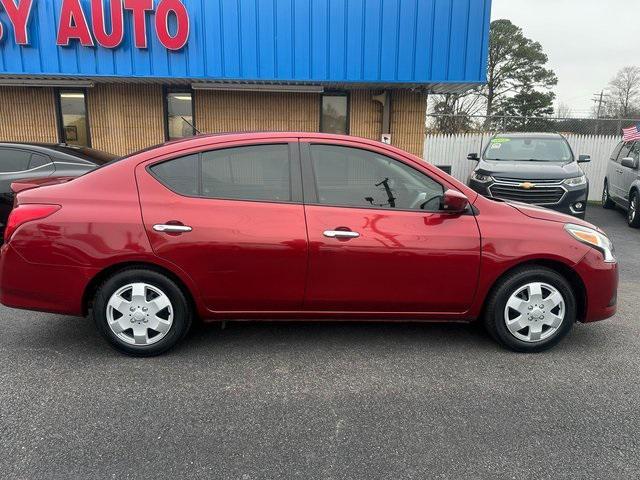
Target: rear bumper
(601, 286)
(46, 288)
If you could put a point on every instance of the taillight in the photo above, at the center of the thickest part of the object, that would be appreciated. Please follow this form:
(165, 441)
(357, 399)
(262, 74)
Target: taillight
(27, 213)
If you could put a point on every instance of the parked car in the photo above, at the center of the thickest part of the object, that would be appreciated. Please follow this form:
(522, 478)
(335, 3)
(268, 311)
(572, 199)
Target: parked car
(622, 183)
(297, 226)
(535, 168)
(39, 161)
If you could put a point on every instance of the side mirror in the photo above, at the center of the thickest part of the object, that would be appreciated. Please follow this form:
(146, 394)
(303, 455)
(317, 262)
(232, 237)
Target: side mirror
(584, 158)
(454, 202)
(630, 163)
(473, 157)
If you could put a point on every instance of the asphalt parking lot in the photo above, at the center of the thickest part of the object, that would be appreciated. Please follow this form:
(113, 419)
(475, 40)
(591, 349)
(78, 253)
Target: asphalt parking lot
(325, 400)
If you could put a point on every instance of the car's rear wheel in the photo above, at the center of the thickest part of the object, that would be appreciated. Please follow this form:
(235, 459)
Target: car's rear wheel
(141, 312)
(606, 199)
(633, 216)
(531, 309)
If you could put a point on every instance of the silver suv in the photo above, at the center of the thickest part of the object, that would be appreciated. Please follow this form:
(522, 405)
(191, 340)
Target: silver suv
(622, 183)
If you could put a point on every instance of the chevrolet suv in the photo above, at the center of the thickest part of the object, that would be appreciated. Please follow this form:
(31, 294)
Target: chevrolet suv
(534, 168)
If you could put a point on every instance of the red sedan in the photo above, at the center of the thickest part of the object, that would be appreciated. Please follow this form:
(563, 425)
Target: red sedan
(297, 226)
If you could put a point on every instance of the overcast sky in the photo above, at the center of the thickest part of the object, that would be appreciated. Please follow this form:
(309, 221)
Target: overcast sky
(587, 41)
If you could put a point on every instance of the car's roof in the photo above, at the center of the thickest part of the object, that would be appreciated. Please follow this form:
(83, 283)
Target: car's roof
(62, 150)
(529, 135)
(217, 138)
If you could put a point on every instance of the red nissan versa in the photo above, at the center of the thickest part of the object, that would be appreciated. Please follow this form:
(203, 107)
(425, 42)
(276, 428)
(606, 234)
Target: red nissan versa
(297, 226)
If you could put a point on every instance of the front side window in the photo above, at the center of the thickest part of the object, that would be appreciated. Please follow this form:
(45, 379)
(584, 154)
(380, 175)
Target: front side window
(541, 149)
(335, 114)
(259, 173)
(73, 123)
(625, 151)
(616, 152)
(179, 121)
(635, 151)
(359, 178)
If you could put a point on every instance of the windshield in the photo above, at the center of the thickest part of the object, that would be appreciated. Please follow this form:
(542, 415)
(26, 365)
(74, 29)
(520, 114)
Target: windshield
(533, 149)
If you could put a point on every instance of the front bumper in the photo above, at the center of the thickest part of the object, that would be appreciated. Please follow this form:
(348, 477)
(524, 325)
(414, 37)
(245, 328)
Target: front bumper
(600, 280)
(570, 202)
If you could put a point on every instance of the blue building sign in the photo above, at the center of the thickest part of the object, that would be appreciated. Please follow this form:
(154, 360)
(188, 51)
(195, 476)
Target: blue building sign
(306, 41)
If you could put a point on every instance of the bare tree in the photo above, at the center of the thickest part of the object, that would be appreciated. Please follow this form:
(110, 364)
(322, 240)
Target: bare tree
(625, 90)
(563, 111)
(455, 111)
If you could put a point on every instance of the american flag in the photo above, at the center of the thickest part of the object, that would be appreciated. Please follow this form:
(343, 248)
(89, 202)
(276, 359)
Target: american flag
(631, 134)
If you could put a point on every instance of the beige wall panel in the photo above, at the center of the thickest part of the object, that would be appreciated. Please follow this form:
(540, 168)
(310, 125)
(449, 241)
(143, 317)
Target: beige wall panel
(408, 121)
(27, 115)
(365, 115)
(125, 118)
(219, 111)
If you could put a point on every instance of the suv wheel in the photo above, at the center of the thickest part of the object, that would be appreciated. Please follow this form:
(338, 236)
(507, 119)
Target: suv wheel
(633, 216)
(606, 199)
(141, 312)
(531, 310)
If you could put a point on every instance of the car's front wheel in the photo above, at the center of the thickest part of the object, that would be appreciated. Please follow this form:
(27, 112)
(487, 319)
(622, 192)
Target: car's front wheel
(633, 216)
(531, 309)
(141, 312)
(606, 199)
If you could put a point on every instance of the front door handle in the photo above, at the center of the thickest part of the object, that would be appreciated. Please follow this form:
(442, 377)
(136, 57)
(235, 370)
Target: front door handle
(163, 228)
(341, 234)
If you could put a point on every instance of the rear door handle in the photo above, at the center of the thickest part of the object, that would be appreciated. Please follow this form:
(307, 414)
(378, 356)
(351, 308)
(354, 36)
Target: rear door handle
(172, 228)
(341, 234)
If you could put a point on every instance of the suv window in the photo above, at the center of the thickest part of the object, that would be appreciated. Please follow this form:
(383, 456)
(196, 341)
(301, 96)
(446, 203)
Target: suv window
(616, 152)
(625, 151)
(359, 178)
(260, 172)
(12, 160)
(635, 151)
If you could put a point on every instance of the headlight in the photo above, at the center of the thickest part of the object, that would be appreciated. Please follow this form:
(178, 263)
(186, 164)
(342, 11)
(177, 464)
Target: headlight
(479, 177)
(594, 239)
(576, 181)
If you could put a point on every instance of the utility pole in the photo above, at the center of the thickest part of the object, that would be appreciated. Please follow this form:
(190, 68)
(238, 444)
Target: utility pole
(599, 99)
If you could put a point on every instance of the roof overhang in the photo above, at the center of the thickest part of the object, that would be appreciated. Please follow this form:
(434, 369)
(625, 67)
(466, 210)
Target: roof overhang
(47, 81)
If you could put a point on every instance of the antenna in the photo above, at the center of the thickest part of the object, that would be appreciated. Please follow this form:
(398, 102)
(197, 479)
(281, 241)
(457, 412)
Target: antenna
(191, 125)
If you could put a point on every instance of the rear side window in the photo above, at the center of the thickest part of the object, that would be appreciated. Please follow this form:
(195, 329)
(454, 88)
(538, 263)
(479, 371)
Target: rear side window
(38, 160)
(260, 173)
(12, 160)
(248, 173)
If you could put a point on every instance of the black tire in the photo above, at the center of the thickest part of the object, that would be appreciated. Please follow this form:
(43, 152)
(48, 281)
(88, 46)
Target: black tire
(495, 308)
(181, 309)
(606, 199)
(633, 212)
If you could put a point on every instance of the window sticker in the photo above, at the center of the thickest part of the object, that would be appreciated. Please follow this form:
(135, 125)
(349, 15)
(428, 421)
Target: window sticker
(500, 140)
(496, 146)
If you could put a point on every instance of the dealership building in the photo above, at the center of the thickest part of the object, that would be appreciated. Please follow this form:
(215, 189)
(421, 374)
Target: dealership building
(122, 75)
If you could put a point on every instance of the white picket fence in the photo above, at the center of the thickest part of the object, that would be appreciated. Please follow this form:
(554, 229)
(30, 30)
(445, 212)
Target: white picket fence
(452, 150)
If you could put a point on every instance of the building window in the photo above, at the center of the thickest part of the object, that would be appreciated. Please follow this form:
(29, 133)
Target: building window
(179, 121)
(73, 124)
(334, 117)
